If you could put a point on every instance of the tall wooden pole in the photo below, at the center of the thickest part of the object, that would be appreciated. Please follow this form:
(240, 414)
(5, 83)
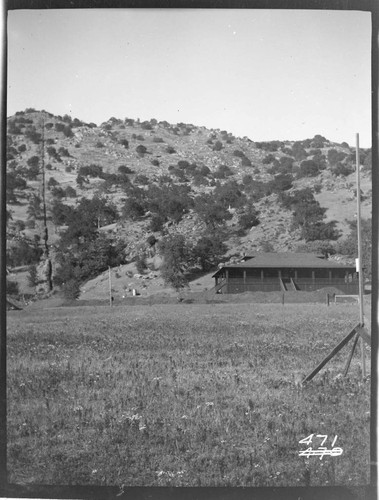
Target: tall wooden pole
(110, 286)
(360, 267)
(45, 233)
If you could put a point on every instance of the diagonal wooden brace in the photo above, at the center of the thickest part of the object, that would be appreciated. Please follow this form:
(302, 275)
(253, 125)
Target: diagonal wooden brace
(338, 347)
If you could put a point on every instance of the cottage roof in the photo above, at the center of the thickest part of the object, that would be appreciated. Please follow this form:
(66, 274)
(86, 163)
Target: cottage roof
(285, 260)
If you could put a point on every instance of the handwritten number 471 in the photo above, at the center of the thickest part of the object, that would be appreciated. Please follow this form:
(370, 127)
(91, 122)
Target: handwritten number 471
(308, 440)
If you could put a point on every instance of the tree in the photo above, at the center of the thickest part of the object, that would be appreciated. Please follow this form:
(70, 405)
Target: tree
(23, 253)
(85, 220)
(324, 247)
(349, 245)
(229, 194)
(60, 213)
(334, 156)
(52, 182)
(34, 208)
(133, 209)
(308, 168)
(249, 218)
(210, 210)
(140, 262)
(70, 192)
(208, 251)
(175, 255)
(14, 181)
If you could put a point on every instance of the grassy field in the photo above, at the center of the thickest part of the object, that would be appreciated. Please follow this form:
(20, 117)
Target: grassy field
(183, 395)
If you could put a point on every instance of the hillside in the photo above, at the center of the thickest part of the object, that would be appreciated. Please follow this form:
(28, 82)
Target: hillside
(157, 179)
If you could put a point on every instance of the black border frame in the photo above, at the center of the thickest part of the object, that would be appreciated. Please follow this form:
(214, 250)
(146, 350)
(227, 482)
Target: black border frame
(369, 491)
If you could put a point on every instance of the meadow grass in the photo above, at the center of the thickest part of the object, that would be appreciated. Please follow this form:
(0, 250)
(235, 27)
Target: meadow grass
(183, 395)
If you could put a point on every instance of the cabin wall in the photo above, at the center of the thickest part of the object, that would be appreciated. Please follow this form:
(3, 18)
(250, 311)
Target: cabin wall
(239, 280)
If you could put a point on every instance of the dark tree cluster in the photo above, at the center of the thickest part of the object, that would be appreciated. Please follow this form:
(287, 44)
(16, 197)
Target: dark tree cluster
(308, 216)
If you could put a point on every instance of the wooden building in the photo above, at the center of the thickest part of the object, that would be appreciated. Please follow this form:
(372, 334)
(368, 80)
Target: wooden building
(268, 272)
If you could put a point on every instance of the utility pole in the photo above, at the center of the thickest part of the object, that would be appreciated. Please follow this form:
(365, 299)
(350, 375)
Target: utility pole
(44, 269)
(360, 267)
(45, 232)
(110, 286)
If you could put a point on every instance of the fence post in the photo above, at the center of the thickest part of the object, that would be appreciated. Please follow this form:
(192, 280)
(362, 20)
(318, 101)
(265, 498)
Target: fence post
(327, 299)
(282, 299)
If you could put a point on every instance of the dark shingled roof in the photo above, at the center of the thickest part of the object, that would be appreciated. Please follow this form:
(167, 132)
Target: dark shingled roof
(285, 259)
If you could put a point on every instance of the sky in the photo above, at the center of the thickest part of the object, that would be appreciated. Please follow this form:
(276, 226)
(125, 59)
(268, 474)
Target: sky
(264, 74)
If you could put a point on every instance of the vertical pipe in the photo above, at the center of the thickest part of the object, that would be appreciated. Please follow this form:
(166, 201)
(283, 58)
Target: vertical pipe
(360, 267)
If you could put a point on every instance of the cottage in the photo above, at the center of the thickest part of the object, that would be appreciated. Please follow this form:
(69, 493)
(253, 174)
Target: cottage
(268, 272)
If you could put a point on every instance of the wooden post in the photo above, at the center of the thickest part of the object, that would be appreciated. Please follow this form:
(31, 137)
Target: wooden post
(327, 299)
(360, 267)
(110, 286)
(282, 299)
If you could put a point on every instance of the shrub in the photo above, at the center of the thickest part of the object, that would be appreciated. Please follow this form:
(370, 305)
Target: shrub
(70, 192)
(133, 209)
(99, 144)
(170, 150)
(52, 182)
(308, 168)
(222, 172)
(151, 240)
(298, 151)
(67, 131)
(23, 253)
(141, 150)
(22, 148)
(341, 169)
(334, 156)
(318, 141)
(124, 143)
(141, 179)
(155, 163)
(146, 125)
(63, 151)
(158, 139)
(238, 153)
(58, 192)
(32, 276)
(123, 169)
(217, 146)
(140, 262)
(246, 162)
(184, 164)
(71, 289)
(12, 287)
(156, 223)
